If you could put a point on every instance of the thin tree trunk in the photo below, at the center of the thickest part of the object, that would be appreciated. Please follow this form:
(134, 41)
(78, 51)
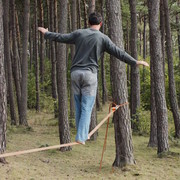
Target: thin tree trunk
(162, 29)
(15, 59)
(64, 132)
(7, 58)
(42, 42)
(3, 100)
(74, 27)
(135, 77)
(79, 13)
(144, 50)
(36, 55)
(172, 86)
(53, 57)
(104, 88)
(85, 14)
(156, 62)
(122, 125)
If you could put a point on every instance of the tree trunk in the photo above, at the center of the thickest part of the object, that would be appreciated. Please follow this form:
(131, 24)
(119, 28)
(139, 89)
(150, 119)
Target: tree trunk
(172, 86)
(42, 42)
(53, 57)
(135, 77)
(15, 59)
(92, 5)
(153, 129)
(36, 55)
(74, 27)
(79, 14)
(3, 101)
(144, 49)
(64, 132)
(23, 115)
(85, 14)
(156, 62)
(7, 58)
(104, 88)
(122, 125)
(178, 33)
(162, 29)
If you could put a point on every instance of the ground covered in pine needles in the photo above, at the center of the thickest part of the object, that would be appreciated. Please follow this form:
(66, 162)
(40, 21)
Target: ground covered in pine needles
(83, 161)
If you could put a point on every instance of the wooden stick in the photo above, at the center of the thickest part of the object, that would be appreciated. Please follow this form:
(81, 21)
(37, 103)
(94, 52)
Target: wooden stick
(61, 145)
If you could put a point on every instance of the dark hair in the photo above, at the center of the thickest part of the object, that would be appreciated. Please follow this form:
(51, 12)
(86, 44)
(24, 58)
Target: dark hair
(95, 18)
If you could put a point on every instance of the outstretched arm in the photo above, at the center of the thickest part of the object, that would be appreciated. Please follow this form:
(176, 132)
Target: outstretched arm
(122, 55)
(69, 38)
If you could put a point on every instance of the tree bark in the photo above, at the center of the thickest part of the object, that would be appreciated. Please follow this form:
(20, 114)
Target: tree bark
(74, 27)
(3, 101)
(85, 14)
(135, 77)
(104, 88)
(23, 114)
(156, 62)
(53, 56)
(79, 13)
(122, 125)
(153, 129)
(7, 59)
(172, 86)
(36, 55)
(42, 42)
(162, 29)
(64, 132)
(15, 59)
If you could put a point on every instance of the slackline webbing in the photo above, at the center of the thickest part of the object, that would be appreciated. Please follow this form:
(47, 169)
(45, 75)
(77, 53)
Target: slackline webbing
(62, 145)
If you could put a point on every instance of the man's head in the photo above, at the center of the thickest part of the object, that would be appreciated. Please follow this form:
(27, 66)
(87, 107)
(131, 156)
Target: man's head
(95, 19)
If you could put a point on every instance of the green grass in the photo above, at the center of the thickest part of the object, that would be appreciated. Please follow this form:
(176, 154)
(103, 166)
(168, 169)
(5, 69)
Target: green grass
(83, 161)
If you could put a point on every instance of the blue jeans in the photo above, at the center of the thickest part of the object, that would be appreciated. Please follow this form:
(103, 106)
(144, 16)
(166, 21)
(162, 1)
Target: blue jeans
(84, 84)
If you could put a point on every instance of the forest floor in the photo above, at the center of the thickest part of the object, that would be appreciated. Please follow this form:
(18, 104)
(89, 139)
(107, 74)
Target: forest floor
(83, 161)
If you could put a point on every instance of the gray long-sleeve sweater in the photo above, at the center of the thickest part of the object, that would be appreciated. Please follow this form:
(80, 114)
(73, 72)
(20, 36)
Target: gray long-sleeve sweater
(89, 45)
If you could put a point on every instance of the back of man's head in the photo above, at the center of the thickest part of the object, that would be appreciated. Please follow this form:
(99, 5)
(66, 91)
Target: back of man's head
(95, 18)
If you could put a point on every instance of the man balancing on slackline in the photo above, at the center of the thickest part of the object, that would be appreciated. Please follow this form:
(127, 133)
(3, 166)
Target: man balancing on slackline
(90, 43)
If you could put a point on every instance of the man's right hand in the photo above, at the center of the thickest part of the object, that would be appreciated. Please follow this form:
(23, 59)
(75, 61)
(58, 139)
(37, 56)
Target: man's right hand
(43, 30)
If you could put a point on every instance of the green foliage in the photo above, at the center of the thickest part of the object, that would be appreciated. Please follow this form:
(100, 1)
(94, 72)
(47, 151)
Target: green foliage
(143, 122)
(46, 100)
